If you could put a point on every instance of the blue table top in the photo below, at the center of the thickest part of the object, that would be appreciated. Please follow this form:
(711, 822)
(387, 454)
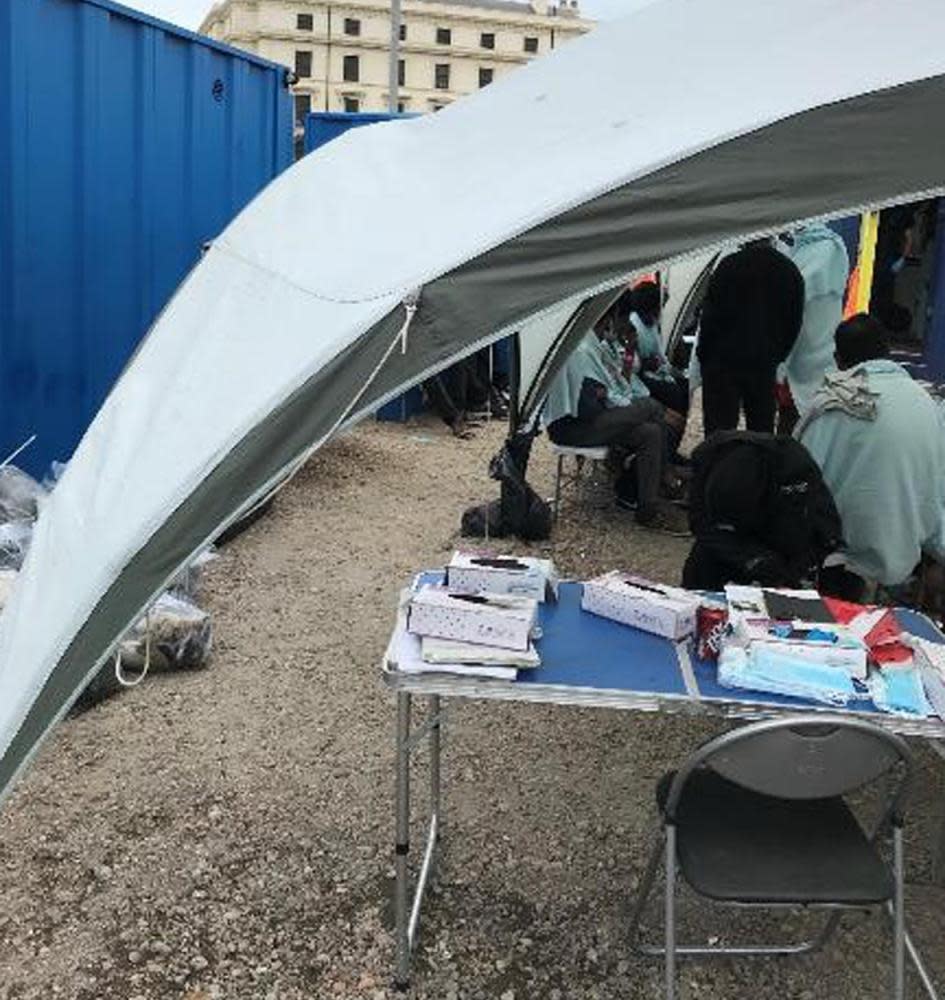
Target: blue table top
(582, 650)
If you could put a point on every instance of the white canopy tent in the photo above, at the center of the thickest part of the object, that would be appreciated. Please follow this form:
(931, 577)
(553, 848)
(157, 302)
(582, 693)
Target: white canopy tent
(683, 127)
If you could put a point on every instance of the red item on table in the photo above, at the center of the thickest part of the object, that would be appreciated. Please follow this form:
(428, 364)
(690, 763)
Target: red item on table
(711, 623)
(883, 639)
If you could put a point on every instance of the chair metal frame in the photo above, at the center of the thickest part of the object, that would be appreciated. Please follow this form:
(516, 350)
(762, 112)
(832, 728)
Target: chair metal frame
(892, 816)
(581, 453)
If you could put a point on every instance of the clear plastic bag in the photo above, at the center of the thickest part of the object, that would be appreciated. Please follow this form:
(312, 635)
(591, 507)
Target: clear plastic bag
(20, 495)
(15, 538)
(177, 629)
(189, 580)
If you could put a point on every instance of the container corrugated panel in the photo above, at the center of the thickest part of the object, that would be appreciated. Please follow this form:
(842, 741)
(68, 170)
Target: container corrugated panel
(125, 145)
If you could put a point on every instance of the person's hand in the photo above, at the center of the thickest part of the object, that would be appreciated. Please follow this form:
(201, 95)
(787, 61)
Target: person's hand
(651, 364)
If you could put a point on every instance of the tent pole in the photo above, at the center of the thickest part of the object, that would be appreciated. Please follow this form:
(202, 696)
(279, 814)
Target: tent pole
(393, 75)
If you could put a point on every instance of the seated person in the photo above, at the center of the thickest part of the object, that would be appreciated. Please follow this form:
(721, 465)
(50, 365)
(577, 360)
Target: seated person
(590, 404)
(462, 389)
(879, 439)
(760, 513)
(665, 384)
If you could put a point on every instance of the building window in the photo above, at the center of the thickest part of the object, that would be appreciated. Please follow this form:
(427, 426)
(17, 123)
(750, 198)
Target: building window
(444, 36)
(401, 73)
(485, 75)
(352, 69)
(401, 107)
(487, 40)
(352, 26)
(304, 22)
(303, 64)
(403, 32)
(531, 44)
(441, 79)
(303, 104)
(352, 105)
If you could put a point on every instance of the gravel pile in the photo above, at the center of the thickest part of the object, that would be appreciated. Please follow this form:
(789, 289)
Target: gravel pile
(227, 834)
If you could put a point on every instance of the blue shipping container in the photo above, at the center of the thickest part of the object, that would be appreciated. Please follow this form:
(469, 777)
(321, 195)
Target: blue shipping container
(323, 126)
(125, 145)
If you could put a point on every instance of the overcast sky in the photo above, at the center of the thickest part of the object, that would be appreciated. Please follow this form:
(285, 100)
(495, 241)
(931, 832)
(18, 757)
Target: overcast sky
(189, 13)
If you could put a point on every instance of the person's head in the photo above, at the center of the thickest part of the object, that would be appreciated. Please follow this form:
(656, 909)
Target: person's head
(736, 488)
(646, 301)
(606, 327)
(860, 338)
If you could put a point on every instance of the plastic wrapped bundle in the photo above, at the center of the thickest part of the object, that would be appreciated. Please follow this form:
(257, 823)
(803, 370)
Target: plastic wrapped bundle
(177, 629)
(15, 538)
(20, 495)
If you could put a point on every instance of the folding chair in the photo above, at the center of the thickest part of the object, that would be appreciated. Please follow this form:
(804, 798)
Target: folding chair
(756, 817)
(580, 455)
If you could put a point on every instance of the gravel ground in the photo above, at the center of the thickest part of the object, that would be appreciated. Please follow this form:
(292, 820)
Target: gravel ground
(228, 833)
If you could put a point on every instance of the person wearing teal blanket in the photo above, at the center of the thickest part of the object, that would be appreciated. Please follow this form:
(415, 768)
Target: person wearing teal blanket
(663, 382)
(591, 404)
(879, 440)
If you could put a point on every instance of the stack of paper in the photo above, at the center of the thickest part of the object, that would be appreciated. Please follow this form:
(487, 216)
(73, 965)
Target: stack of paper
(478, 635)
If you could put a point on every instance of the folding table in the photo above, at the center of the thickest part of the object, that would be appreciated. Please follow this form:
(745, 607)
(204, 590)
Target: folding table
(590, 662)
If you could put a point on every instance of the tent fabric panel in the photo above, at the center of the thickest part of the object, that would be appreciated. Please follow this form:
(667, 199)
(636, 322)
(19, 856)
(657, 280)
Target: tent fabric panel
(431, 193)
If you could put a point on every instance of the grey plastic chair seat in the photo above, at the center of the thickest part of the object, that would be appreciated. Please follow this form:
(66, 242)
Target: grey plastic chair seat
(739, 846)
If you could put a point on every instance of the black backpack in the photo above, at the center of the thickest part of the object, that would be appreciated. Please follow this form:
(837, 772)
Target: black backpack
(519, 510)
(760, 512)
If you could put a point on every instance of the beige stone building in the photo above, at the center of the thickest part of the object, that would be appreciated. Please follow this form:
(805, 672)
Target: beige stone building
(339, 51)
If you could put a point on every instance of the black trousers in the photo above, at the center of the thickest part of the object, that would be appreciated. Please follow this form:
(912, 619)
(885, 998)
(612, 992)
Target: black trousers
(638, 429)
(460, 388)
(726, 392)
(673, 395)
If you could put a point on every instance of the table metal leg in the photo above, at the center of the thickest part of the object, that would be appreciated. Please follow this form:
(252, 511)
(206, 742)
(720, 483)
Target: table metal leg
(436, 736)
(407, 911)
(402, 840)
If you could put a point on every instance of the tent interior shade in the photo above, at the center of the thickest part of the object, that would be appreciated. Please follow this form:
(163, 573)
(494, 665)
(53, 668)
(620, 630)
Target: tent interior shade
(507, 210)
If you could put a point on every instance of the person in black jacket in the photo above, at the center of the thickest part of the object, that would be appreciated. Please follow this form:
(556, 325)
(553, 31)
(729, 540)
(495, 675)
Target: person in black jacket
(751, 317)
(760, 512)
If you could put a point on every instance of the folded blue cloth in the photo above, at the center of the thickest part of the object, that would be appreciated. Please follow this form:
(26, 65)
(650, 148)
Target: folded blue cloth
(899, 690)
(763, 669)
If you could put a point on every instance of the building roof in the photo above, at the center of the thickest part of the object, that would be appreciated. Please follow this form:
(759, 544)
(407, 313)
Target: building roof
(509, 6)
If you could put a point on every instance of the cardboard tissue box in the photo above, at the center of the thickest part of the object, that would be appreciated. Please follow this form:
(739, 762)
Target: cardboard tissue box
(524, 576)
(650, 607)
(493, 620)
